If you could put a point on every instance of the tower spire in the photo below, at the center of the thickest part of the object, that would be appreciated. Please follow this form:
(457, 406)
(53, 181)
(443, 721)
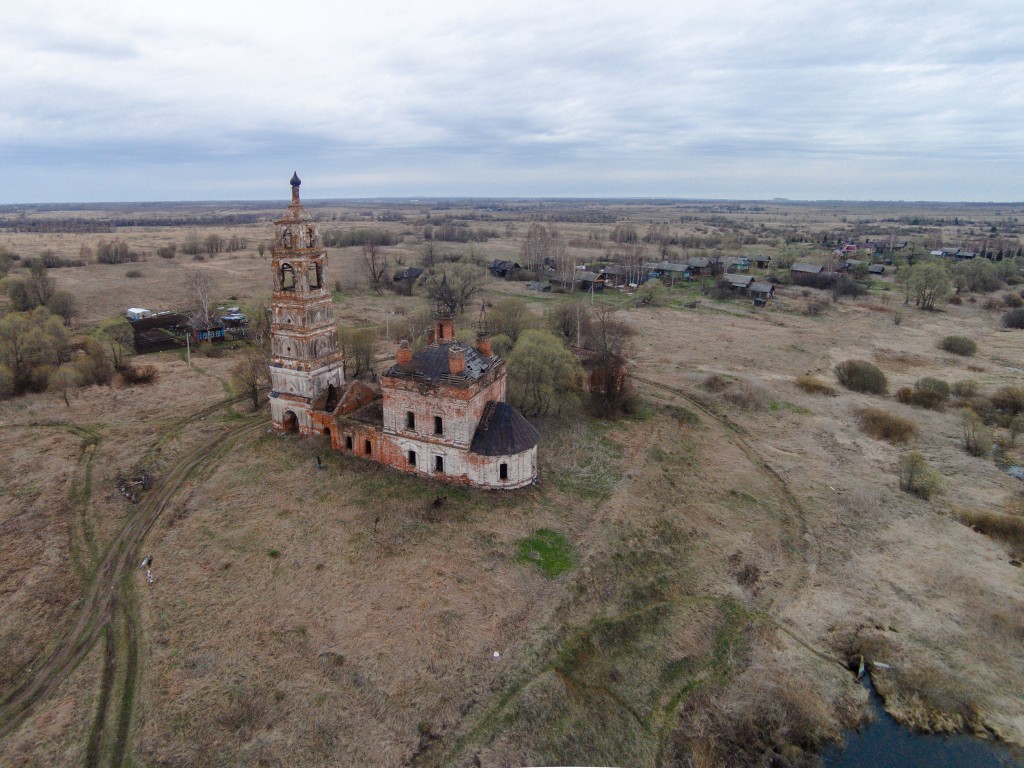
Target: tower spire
(295, 182)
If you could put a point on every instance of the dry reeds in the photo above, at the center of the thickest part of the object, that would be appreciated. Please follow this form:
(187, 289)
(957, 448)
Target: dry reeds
(814, 386)
(883, 425)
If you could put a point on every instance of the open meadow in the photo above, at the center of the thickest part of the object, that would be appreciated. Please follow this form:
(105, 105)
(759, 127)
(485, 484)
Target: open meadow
(687, 585)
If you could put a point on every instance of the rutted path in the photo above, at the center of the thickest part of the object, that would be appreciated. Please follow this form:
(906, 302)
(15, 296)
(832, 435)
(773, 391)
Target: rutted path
(108, 606)
(662, 722)
(804, 538)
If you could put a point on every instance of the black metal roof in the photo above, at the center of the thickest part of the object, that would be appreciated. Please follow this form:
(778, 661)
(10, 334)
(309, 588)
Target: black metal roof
(431, 364)
(503, 431)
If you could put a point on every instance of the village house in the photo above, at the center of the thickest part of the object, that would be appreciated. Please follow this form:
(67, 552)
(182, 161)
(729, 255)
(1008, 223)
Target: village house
(738, 283)
(761, 292)
(505, 268)
(805, 273)
(439, 412)
(668, 271)
(736, 264)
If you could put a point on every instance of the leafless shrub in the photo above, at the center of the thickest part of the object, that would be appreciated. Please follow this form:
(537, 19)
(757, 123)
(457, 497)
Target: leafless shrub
(145, 374)
(717, 383)
(977, 438)
(917, 476)
(816, 307)
(743, 394)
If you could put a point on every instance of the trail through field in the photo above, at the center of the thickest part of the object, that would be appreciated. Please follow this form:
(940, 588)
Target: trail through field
(796, 578)
(109, 608)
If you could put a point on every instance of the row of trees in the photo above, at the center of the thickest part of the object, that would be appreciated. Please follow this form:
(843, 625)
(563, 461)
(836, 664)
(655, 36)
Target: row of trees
(39, 353)
(38, 289)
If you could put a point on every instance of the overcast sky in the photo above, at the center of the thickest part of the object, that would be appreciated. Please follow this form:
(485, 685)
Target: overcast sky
(223, 99)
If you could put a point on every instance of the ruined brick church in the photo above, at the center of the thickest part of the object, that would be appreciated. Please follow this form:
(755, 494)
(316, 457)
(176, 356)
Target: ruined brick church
(439, 412)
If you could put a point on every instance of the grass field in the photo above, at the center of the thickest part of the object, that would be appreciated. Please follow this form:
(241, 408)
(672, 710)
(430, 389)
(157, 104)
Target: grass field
(685, 585)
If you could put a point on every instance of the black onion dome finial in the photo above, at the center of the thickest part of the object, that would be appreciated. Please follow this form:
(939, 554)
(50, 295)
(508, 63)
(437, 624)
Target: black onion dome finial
(296, 181)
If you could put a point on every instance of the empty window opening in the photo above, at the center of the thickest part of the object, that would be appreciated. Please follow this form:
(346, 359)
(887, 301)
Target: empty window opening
(438, 425)
(412, 458)
(348, 442)
(410, 420)
(287, 278)
(503, 471)
(439, 463)
(367, 447)
(313, 275)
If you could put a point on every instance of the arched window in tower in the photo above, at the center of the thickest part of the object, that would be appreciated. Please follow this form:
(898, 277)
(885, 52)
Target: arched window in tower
(287, 277)
(311, 237)
(313, 276)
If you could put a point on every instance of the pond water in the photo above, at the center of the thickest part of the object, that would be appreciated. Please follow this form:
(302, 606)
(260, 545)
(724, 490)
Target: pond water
(884, 743)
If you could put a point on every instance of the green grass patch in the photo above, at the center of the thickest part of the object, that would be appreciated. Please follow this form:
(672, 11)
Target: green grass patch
(549, 550)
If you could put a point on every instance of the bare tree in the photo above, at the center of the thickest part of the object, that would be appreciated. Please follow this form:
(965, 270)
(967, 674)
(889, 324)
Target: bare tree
(536, 247)
(376, 264)
(251, 375)
(259, 328)
(201, 288)
(608, 345)
(464, 280)
(119, 338)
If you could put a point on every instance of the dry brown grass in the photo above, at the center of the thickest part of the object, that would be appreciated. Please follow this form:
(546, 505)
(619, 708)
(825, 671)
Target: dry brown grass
(883, 425)
(1008, 529)
(813, 385)
(378, 619)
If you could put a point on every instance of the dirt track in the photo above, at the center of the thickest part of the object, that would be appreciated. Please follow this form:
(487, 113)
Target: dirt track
(109, 597)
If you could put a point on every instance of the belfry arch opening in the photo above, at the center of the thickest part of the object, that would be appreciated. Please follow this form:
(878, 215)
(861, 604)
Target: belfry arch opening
(287, 277)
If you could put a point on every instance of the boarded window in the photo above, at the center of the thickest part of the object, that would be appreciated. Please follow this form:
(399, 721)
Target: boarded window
(503, 471)
(438, 425)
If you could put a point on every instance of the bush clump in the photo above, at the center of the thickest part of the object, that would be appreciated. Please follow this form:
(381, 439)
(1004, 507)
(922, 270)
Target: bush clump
(977, 438)
(917, 476)
(1014, 319)
(882, 425)
(145, 374)
(1007, 528)
(717, 383)
(930, 393)
(965, 389)
(862, 376)
(814, 386)
(746, 395)
(959, 345)
(1009, 400)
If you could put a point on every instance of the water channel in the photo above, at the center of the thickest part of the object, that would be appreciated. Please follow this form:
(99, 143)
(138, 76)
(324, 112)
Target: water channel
(884, 743)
